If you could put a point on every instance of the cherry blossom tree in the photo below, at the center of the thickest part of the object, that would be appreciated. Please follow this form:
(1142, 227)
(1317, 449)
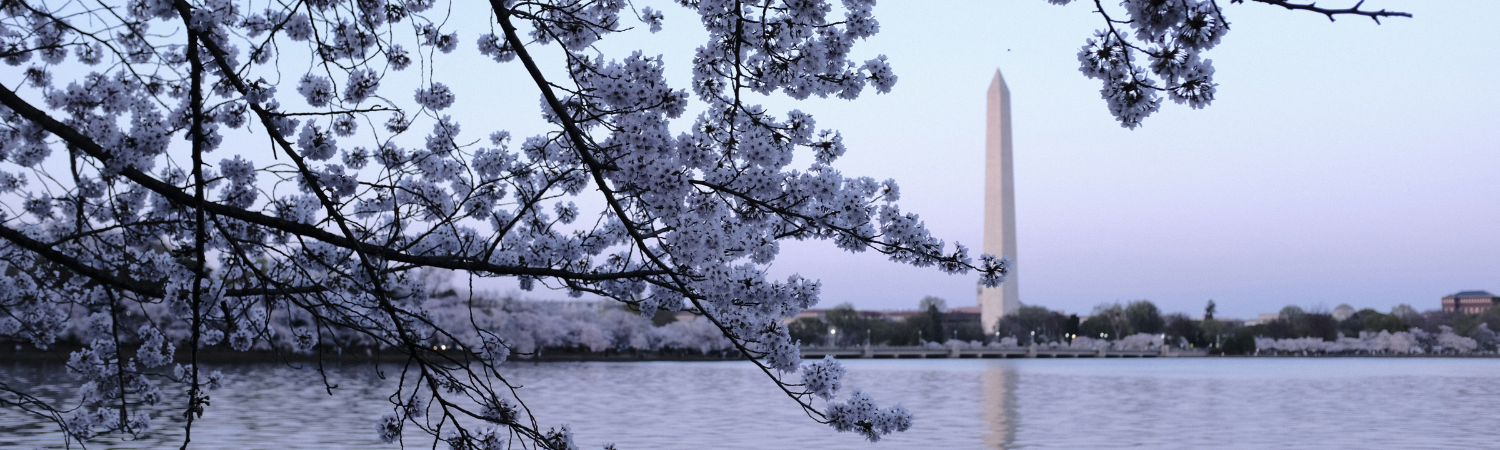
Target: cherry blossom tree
(178, 175)
(1415, 341)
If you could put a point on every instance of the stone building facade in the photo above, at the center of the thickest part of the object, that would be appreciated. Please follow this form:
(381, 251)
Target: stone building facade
(1470, 302)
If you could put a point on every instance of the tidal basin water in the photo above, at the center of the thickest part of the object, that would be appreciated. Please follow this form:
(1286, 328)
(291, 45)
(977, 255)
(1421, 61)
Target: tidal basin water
(1169, 403)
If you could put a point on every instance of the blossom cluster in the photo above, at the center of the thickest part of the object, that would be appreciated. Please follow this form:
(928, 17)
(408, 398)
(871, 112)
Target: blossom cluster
(1163, 55)
(860, 414)
(823, 378)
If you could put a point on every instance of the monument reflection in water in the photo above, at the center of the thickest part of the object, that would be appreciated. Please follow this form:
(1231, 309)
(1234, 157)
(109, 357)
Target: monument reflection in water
(998, 402)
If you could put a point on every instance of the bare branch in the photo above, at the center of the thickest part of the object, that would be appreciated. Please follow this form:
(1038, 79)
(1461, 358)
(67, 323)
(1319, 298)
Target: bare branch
(1332, 12)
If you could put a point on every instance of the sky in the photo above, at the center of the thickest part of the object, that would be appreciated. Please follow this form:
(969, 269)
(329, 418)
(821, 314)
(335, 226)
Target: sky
(1342, 162)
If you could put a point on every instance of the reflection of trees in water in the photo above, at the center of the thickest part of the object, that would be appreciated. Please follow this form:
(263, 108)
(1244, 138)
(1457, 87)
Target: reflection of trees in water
(1001, 416)
(255, 397)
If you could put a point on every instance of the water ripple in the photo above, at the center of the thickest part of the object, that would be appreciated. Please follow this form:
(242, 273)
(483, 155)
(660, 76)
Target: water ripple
(1188, 403)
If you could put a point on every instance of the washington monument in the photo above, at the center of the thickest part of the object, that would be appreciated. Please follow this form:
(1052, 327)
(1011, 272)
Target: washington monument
(999, 205)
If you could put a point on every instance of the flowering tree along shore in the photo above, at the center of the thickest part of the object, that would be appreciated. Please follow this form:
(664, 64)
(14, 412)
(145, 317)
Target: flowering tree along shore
(177, 175)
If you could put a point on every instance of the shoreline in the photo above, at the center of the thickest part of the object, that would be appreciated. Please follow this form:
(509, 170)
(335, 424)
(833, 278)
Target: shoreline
(59, 355)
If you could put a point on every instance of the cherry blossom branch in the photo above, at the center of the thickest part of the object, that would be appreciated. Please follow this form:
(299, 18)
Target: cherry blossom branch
(1173, 37)
(581, 146)
(1331, 12)
(51, 254)
(200, 230)
(73, 137)
(879, 246)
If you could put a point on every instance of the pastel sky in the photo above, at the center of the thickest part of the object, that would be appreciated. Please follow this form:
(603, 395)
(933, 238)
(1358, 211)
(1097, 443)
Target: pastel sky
(1342, 162)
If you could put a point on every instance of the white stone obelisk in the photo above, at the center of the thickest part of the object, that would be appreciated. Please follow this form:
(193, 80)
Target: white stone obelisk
(999, 205)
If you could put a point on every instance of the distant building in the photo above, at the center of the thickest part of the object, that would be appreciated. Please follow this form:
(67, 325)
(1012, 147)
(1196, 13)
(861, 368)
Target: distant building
(1470, 302)
(1342, 312)
(806, 314)
(579, 305)
(968, 310)
(1263, 318)
(956, 317)
(889, 315)
(892, 316)
(952, 315)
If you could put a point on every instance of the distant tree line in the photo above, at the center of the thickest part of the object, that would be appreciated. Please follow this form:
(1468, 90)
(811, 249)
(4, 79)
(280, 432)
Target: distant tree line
(1112, 321)
(844, 326)
(1433, 330)
(1342, 330)
(524, 327)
